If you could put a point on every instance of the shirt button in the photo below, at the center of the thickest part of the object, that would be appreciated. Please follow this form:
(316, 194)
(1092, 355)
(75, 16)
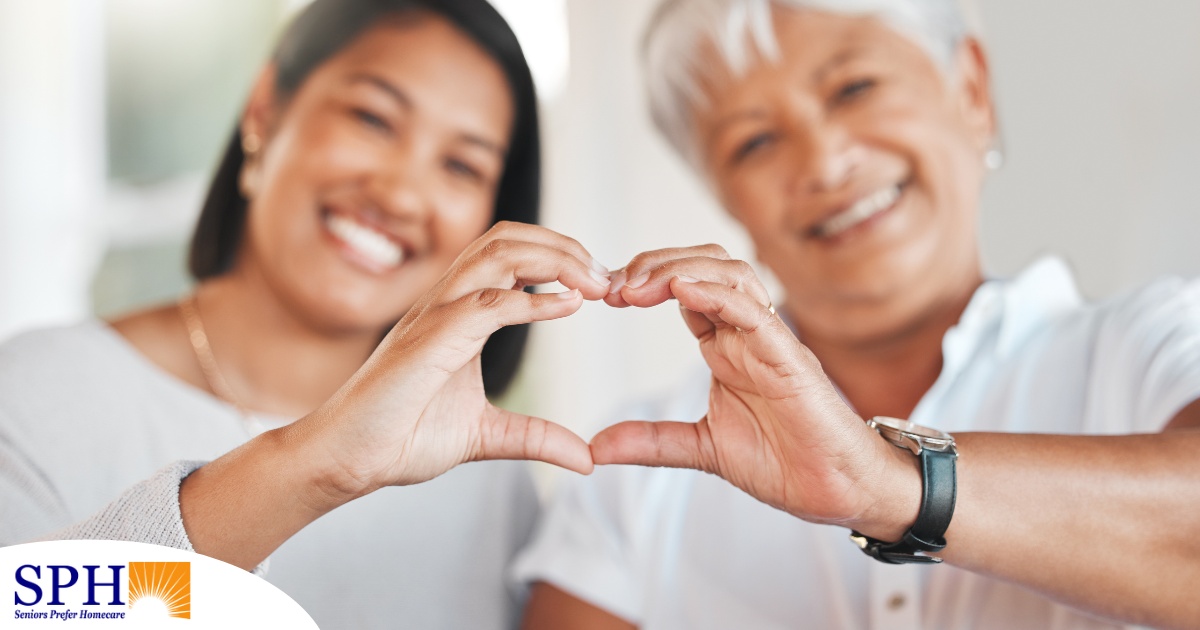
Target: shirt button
(896, 601)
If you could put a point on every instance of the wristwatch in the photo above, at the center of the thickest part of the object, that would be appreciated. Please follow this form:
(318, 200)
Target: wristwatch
(938, 454)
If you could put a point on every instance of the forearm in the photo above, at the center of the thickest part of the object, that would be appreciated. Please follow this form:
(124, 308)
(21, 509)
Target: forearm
(241, 507)
(1106, 524)
(550, 608)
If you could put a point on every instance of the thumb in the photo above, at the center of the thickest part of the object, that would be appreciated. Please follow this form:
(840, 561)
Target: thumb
(670, 444)
(508, 435)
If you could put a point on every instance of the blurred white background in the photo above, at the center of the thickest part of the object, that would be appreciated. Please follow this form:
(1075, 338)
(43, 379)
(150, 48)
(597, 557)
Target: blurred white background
(111, 115)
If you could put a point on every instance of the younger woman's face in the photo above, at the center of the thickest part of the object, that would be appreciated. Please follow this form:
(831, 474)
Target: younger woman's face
(376, 174)
(855, 164)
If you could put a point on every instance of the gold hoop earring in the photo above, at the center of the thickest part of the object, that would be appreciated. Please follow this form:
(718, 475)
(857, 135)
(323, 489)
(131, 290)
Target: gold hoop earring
(251, 143)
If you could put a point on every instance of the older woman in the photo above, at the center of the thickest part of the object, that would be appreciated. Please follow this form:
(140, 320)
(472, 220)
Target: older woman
(851, 139)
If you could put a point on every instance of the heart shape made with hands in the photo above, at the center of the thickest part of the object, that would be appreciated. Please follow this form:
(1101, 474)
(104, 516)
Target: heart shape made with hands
(775, 427)
(417, 407)
(724, 305)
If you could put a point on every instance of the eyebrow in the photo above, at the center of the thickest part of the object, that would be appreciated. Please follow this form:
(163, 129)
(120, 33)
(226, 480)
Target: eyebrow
(394, 91)
(484, 144)
(819, 75)
(752, 114)
(839, 59)
(405, 102)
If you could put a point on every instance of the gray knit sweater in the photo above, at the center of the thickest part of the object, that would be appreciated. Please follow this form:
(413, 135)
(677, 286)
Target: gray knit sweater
(94, 441)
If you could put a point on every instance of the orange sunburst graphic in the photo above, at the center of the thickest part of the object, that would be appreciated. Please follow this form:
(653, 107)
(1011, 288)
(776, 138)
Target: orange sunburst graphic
(168, 582)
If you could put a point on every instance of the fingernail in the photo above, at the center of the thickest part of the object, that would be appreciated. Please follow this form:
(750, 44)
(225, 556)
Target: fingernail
(600, 269)
(600, 280)
(687, 279)
(568, 295)
(618, 281)
(638, 281)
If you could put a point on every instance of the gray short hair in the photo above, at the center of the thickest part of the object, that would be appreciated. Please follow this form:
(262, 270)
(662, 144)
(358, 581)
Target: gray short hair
(738, 28)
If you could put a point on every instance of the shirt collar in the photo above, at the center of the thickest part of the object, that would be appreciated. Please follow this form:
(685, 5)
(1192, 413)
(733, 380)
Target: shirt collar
(1014, 309)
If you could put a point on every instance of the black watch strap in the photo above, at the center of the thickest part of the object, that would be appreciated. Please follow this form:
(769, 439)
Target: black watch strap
(938, 495)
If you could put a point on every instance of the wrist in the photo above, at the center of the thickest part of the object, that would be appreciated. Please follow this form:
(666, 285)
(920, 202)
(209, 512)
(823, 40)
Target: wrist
(320, 479)
(895, 490)
(267, 487)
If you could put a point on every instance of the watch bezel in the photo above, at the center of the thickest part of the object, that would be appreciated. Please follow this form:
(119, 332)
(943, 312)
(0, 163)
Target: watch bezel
(914, 437)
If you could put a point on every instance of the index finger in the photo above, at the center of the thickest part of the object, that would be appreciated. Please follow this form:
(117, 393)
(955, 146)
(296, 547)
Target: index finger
(646, 262)
(513, 231)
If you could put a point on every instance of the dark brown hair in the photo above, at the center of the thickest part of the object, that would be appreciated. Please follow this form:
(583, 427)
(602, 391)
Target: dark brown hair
(323, 29)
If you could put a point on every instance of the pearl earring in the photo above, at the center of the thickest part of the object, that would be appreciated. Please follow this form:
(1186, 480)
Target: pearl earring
(993, 159)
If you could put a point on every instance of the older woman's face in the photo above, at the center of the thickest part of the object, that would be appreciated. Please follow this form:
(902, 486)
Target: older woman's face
(856, 167)
(376, 174)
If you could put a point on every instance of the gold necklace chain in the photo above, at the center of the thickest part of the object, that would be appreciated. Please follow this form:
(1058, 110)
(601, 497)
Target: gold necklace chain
(208, 361)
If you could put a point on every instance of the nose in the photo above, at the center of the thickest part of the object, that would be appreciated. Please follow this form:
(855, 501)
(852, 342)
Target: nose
(400, 187)
(826, 156)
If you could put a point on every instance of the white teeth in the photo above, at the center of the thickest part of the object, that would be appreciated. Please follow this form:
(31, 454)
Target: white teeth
(862, 210)
(366, 241)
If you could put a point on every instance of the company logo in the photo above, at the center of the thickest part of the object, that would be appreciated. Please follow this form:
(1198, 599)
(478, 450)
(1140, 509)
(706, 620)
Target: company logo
(146, 590)
(165, 584)
(93, 583)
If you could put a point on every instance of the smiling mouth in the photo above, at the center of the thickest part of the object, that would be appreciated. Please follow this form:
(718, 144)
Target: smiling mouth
(368, 244)
(864, 209)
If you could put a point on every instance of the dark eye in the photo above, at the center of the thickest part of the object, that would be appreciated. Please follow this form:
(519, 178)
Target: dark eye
(464, 170)
(853, 90)
(371, 120)
(754, 143)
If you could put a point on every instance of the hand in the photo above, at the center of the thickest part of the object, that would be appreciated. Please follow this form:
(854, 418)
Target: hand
(775, 427)
(417, 407)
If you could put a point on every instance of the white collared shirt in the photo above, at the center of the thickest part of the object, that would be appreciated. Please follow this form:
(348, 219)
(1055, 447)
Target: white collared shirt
(676, 549)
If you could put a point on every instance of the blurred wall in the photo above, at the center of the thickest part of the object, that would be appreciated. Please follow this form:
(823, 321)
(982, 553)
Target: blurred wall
(1098, 103)
(176, 76)
(111, 115)
(52, 158)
